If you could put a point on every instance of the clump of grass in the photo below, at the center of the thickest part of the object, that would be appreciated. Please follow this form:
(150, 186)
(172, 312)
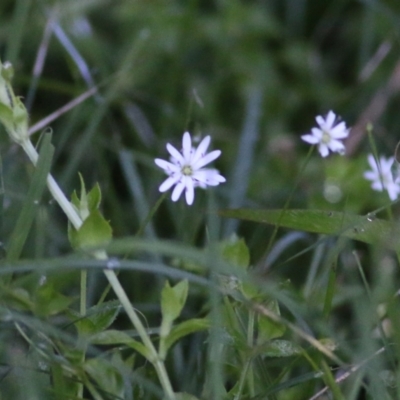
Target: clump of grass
(281, 283)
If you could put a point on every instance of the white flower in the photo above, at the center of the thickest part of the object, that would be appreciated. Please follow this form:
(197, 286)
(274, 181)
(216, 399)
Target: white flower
(328, 135)
(185, 169)
(382, 177)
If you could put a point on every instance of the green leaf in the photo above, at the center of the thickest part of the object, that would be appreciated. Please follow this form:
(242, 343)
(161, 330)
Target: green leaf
(6, 116)
(48, 301)
(29, 210)
(17, 298)
(186, 328)
(114, 337)
(110, 337)
(173, 299)
(87, 202)
(236, 251)
(63, 387)
(279, 348)
(94, 198)
(97, 319)
(268, 329)
(366, 229)
(106, 376)
(185, 396)
(95, 231)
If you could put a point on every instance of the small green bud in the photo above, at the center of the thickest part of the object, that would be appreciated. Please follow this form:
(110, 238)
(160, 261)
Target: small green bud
(13, 114)
(7, 72)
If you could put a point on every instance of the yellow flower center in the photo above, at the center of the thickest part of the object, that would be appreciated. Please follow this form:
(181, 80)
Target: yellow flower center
(187, 170)
(326, 137)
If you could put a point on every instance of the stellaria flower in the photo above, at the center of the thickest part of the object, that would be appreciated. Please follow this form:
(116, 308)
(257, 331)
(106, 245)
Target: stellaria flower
(382, 177)
(328, 135)
(185, 169)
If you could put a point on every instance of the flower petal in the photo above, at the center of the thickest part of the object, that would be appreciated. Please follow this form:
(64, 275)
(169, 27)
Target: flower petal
(210, 177)
(323, 150)
(186, 147)
(176, 193)
(175, 154)
(206, 159)
(393, 191)
(168, 183)
(336, 146)
(167, 166)
(189, 192)
(201, 149)
(330, 120)
(310, 139)
(339, 131)
(372, 162)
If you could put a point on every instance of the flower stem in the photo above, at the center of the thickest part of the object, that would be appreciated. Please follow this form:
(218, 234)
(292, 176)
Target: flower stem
(77, 222)
(137, 323)
(55, 190)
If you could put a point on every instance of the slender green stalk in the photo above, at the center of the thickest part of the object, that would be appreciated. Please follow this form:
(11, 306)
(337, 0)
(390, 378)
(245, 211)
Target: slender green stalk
(83, 313)
(137, 323)
(247, 371)
(330, 291)
(83, 292)
(55, 190)
(77, 222)
(289, 199)
(150, 215)
(250, 340)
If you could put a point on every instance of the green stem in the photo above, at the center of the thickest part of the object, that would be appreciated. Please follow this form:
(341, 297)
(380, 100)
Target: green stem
(247, 371)
(330, 290)
(75, 219)
(83, 292)
(150, 215)
(77, 222)
(250, 339)
(137, 323)
(55, 190)
(289, 199)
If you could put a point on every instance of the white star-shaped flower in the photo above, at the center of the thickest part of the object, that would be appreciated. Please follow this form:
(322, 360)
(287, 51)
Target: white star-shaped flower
(328, 136)
(185, 169)
(382, 177)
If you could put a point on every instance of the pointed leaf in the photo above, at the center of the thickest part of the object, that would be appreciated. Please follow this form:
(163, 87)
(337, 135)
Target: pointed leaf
(97, 318)
(173, 299)
(48, 301)
(236, 251)
(95, 231)
(114, 337)
(363, 228)
(106, 376)
(186, 328)
(268, 329)
(94, 198)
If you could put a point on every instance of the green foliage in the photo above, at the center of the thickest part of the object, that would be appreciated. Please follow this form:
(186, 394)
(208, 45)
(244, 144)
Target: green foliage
(313, 247)
(236, 252)
(368, 229)
(95, 230)
(106, 376)
(27, 215)
(114, 337)
(97, 318)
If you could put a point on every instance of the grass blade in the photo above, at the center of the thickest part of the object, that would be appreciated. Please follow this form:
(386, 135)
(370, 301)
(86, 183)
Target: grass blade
(29, 210)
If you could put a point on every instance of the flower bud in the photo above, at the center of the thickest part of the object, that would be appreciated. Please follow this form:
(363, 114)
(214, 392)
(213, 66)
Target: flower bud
(13, 114)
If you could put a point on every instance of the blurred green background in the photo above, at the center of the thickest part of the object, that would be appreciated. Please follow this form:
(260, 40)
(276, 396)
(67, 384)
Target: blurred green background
(252, 74)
